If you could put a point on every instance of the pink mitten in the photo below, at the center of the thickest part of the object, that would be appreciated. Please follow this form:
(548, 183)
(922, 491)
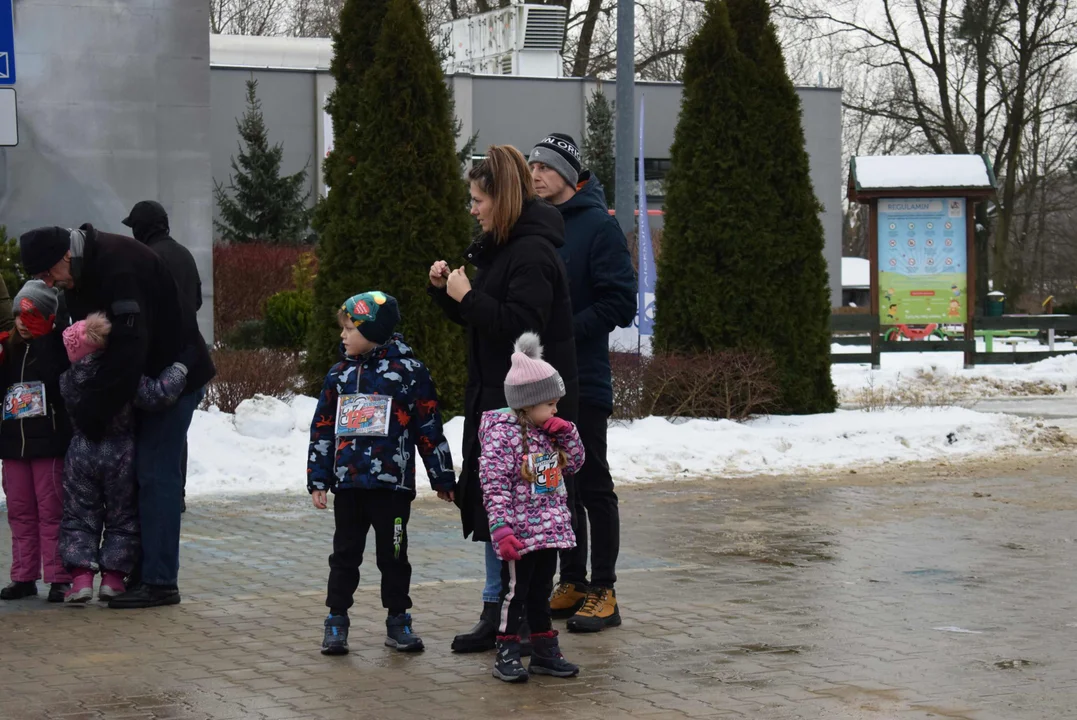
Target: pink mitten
(556, 426)
(508, 547)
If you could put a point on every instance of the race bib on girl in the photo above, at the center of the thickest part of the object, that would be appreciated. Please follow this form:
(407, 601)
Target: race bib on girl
(363, 415)
(548, 477)
(25, 400)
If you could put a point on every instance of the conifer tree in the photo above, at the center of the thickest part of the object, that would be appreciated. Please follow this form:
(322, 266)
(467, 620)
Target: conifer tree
(742, 251)
(396, 201)
(258, 204)
(598, 148)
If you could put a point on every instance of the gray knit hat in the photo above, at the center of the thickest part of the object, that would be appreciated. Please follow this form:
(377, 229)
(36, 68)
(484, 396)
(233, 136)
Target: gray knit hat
(560, 153)
(531, 380)
(40, 295)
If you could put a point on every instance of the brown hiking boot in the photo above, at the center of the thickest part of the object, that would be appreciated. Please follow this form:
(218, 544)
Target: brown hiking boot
(567, 599)
(599, 612)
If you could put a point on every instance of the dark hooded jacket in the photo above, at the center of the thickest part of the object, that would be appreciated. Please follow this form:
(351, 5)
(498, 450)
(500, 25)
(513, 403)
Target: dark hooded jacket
(602, 282)
(520, 285)
(149, 224)
(151, 327)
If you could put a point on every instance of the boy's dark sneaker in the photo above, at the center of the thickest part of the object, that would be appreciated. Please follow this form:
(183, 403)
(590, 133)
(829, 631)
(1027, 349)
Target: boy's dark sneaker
(547, 658)
(567, 599)
(57, 591)
(481, 637)
(146, 596)
(335, 640)
(599, 612)
(507, 665)
(18, 591)
(398, 634)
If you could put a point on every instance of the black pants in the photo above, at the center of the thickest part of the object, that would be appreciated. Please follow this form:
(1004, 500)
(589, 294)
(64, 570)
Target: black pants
(355, 511)
(595, 505)
(526, 585)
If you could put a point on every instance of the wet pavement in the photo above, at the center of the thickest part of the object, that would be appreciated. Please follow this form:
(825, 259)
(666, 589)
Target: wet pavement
(917, 592)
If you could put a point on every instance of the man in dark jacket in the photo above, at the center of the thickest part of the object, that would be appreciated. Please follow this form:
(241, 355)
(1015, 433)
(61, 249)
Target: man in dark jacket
(149, 224)
(602, 283)
(151, 329)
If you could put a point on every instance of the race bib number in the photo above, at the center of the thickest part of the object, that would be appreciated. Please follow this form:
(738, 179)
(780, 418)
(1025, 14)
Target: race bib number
(363, 415)
(25, 400)
(548, 478)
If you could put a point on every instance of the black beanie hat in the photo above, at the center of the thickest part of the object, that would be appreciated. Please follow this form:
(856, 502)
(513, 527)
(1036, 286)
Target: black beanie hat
(559, 152)
(43, 247)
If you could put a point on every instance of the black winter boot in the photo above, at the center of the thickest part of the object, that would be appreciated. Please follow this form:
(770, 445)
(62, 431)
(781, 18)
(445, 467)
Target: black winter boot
(335, 641)
(57, 592)
(398, 634)
(481, 637)
(546, 659)
(18, 591)
(507, 665)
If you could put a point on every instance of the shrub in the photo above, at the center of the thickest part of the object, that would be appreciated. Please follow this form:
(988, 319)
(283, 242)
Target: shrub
(11, 263)
(729, 385)
(244, 277)
(242, 374)
(248, 335)
(287, 320)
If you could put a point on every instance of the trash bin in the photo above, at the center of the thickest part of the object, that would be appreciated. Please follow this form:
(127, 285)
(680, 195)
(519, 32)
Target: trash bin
(996, 304)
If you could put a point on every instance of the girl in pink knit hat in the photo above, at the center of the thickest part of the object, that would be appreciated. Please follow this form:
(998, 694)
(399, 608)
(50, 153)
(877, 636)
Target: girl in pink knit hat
(525, 452)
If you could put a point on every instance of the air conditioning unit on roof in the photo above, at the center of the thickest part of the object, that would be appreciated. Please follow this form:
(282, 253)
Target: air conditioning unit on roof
(516, 40)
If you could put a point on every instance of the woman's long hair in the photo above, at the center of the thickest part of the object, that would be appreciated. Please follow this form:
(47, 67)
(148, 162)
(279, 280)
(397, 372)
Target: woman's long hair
(506, 178)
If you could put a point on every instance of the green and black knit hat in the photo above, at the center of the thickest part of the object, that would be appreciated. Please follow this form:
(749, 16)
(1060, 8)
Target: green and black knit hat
(374, 314)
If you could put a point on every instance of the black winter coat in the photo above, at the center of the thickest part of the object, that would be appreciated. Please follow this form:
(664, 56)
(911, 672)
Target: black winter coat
(151, 327)
(602, 282)
(149, 224)
(520, 286)
(43, 360)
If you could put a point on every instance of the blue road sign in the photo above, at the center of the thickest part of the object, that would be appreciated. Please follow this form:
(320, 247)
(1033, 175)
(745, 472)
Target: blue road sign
(7, 43)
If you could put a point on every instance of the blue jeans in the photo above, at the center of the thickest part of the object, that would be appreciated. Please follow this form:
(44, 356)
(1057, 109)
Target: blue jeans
(492, 592)
(159, 462)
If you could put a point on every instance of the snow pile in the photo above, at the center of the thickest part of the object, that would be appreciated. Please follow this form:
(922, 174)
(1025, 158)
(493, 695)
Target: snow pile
(264, 417)
(921, 171)
(651, 450)
(940, 378)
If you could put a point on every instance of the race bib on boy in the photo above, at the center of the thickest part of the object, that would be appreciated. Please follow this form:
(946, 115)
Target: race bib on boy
(363, 415)
(25, 400)
(548, 478)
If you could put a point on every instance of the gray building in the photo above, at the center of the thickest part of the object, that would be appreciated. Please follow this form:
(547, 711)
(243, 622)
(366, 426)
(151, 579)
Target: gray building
(113, 103)
(294, 80)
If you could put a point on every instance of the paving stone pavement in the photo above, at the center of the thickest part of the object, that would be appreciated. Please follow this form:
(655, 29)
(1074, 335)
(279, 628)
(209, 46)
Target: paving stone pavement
(762, 598)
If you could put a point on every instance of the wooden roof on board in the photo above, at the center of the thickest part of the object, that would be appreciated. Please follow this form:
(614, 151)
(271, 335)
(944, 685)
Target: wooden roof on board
(920, 176)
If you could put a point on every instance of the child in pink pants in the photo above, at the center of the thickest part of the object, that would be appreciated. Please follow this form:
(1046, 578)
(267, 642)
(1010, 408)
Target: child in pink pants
(34, 435)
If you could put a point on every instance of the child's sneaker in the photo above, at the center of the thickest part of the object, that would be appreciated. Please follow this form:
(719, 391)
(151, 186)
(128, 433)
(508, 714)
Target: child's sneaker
(111, 585)
(546, 657)
(335, 641)
(81, 587)
(507, 665)
(398, 634)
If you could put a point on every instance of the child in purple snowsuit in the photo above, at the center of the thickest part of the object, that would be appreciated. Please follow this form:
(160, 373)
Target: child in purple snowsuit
(525, 451)
(100, 487)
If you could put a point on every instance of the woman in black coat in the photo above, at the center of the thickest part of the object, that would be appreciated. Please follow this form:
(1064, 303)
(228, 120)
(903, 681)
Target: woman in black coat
(521, 285)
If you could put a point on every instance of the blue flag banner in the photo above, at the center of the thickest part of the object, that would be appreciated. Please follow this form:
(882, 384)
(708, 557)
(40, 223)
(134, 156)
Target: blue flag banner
(645, 319)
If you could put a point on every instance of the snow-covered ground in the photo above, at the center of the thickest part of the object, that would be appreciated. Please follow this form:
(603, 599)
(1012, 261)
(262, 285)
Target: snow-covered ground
(224, 460)
(263, 447)
(940, 378)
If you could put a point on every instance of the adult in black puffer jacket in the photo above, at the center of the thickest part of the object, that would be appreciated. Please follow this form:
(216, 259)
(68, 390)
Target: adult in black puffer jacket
(521, 285)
